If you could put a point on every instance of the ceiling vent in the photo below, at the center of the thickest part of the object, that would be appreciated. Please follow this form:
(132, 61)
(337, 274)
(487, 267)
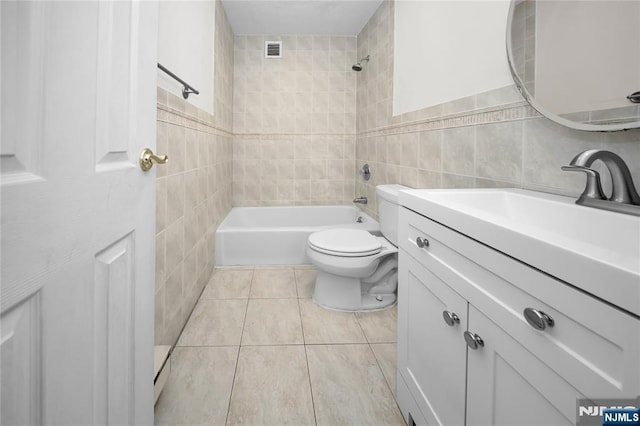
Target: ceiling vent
(273, 49)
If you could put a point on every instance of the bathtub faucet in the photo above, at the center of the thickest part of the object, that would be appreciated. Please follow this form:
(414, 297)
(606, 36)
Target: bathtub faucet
(360, 200)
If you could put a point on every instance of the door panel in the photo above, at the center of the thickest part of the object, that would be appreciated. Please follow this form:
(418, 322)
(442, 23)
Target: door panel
(113, 322)
(508, 385)
(20, 363)
(23, 27)
(116, 101)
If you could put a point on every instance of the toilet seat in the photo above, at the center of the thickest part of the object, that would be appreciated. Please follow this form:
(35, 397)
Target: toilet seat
(345, 242)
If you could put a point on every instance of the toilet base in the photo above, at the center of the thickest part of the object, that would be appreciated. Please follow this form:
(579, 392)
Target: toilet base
(348, 294)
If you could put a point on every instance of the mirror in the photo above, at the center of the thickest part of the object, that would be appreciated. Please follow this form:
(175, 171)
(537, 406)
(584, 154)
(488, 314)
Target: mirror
(578, 61)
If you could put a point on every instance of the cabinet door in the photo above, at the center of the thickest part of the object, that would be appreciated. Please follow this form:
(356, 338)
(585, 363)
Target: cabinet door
(431, 354)
(508, 385)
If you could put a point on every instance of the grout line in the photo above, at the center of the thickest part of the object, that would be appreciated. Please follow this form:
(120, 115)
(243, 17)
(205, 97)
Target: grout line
(260, 298)
(235, 371)
(382, 371)
(338, 344)
(306, 357)
(295, 284)
(225, 298)
(304, 340)
(208, 346)
(361, 328)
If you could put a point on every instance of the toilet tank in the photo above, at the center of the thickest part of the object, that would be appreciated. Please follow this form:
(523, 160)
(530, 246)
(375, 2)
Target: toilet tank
(388, 210)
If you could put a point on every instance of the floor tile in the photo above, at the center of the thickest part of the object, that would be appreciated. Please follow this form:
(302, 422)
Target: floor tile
(305, 282)
(229, 284)
(349, 388)
(198, 388)
(273, 283)
(272, 322)
(387, 356)
(271, 387)
(380, 326)
(215, 323)
(321, 325)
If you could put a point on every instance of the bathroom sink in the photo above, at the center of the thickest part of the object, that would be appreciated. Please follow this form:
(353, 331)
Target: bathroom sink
(595, 250)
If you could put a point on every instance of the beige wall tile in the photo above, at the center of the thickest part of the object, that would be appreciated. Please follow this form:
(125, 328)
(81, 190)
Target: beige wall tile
(430, 150)
(174, 291)
(548, 147)
(174, 245)
(305, 97)
(499, 151)
(196, 192)
(458, 150)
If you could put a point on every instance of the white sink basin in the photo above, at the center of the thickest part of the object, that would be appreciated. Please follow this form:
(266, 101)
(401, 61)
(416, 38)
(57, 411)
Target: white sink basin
(595, 250)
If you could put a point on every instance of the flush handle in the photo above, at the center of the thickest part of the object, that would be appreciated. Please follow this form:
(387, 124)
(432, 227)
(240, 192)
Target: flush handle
(422, 242)
(450, 318)
(538, 319)
(148, 159)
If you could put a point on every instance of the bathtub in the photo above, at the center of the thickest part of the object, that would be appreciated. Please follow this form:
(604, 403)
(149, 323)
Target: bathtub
(278, 235)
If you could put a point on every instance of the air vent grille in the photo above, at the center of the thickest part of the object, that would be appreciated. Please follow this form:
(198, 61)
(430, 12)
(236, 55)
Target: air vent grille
(273, 49)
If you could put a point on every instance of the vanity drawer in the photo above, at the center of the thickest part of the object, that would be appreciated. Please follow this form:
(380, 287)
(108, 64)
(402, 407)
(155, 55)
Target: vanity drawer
(595, 345)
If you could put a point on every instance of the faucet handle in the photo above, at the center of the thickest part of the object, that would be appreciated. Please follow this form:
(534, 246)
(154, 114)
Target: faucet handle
(594, 186)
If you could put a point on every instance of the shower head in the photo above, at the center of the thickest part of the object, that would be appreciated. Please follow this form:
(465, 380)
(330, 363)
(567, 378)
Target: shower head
(358, 66)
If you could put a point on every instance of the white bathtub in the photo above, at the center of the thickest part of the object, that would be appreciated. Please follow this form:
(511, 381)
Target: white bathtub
(278, 235)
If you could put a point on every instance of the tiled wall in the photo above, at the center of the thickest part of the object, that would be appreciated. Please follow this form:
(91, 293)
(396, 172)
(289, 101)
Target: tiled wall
(193, 190)
(492, 139)
(523, 42)
(294, 121)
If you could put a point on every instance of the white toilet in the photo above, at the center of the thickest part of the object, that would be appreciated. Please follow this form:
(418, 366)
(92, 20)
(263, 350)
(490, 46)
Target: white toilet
(358, 271)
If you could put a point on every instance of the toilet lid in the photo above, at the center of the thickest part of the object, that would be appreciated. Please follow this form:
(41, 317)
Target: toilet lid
(345, 242)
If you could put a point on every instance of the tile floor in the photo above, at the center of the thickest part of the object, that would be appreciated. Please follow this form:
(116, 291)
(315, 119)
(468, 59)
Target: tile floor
(258, 351)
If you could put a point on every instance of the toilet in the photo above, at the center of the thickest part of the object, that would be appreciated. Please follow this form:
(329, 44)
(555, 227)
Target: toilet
(358, 271)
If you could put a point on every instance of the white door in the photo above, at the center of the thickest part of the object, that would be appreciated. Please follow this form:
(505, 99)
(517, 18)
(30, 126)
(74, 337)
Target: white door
(78, 85)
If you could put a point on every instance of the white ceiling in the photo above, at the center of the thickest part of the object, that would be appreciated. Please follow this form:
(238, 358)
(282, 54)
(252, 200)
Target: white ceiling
(315, 17)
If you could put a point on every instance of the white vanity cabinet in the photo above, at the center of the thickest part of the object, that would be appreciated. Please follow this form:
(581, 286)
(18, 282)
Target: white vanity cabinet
(450, 284)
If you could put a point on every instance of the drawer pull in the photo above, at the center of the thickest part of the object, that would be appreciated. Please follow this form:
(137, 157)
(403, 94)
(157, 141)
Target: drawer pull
(422, 242)
(538, 319)
(473, 340)
(450, 318)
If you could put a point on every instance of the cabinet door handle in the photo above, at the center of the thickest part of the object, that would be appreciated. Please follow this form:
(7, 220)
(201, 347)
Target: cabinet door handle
(473, 340)
(450, 318)
(422, 242)
(538, 319)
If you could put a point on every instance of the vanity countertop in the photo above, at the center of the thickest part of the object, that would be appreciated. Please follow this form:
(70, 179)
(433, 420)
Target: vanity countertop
(594, 250)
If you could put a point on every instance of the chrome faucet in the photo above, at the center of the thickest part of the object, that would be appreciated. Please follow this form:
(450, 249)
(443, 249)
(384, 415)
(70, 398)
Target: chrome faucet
(624, 197)
(360, 200)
